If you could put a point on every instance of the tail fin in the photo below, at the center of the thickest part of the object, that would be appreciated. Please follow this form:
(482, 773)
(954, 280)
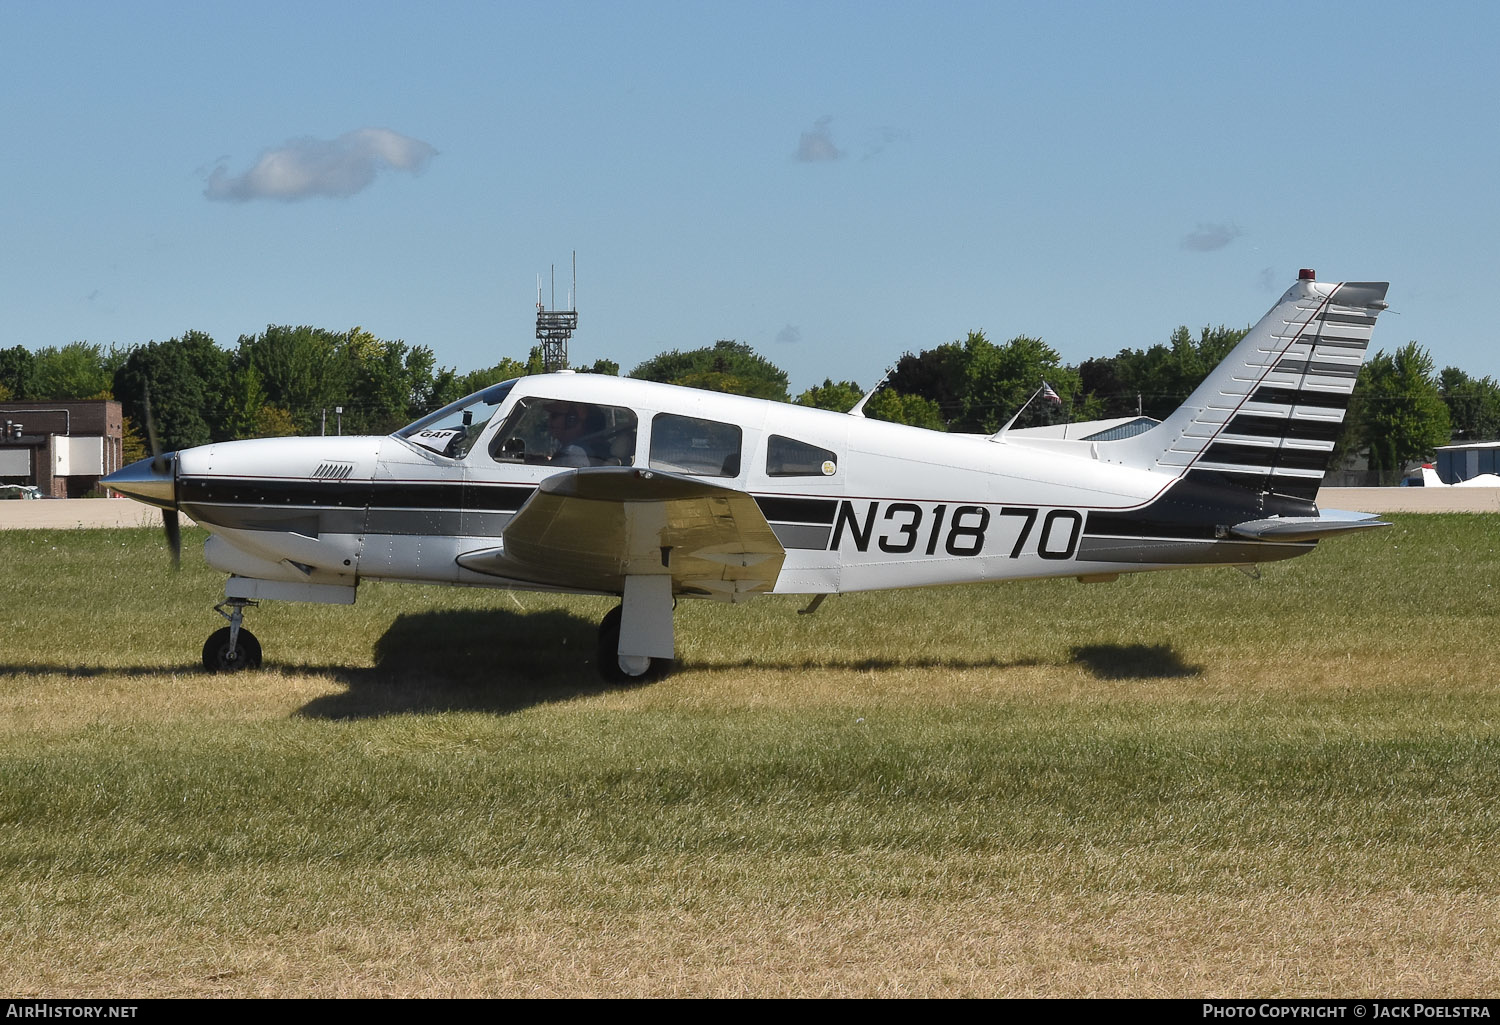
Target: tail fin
(1265, 420)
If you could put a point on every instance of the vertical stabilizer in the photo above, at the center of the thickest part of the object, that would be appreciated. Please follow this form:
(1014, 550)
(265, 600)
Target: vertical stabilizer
(1265, 420)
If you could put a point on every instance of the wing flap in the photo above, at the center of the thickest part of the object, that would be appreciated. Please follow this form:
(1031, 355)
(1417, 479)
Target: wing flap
(588, 529)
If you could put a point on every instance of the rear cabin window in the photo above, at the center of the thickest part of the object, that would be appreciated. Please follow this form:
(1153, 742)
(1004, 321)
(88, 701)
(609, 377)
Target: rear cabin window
(566, 433)
(685, 444)
(787, 457)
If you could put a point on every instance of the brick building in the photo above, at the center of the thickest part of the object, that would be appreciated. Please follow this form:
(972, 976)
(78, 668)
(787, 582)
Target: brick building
(61, 447)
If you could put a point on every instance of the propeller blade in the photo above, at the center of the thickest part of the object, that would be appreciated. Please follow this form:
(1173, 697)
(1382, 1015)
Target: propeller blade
(157, 462)
(171, 523)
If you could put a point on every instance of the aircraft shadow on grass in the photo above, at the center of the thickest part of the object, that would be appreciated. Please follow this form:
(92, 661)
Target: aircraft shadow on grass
(90, 672)
(496, 660)
(486, 660)
(1133, 661)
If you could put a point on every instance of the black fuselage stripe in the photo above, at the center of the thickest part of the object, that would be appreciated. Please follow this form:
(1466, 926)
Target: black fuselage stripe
(351, 494)
(798, 510)
(345, 494)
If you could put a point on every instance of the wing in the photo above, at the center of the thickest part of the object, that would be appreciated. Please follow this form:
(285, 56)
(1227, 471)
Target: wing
(589, 529)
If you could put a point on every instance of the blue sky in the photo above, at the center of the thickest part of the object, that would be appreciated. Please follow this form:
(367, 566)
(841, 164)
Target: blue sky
(833, 183)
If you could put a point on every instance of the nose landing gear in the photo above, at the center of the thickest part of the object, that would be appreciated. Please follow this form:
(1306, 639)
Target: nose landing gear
(231, 648)
(617, 669)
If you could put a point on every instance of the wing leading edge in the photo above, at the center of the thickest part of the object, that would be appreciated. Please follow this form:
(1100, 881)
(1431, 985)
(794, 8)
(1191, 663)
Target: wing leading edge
(589, 529)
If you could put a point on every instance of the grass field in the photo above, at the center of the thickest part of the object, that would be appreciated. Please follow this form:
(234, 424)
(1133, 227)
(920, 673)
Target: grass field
(1177, 784)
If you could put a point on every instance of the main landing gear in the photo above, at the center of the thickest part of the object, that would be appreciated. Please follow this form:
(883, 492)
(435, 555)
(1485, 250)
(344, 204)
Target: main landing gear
(231, 648)
(616, 668)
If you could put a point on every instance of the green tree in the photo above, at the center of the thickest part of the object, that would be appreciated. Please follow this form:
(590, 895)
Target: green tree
(246, 398)
(391, 383)
(1402, 418)
(453, 387)
(16, 367)
(186, 379)
(1155, 381)
(132, 442)
(1105, 390)
(607, 367)
(914, 410)
(840, 396)
(977, 385)
(304, 370)
(272, 422)
(726, 366)
(938, 375)
(1000, 379)
(1473, 405)
(75, 371)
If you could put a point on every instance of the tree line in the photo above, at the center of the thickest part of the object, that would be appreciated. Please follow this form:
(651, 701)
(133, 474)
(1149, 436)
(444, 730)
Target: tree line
(1400, 411)
(289, 380)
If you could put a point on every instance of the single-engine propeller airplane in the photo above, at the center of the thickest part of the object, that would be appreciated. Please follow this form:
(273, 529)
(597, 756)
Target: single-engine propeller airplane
(593, 484)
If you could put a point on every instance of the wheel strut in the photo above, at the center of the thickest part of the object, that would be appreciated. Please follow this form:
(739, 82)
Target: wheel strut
(232, 648)
(236, 618)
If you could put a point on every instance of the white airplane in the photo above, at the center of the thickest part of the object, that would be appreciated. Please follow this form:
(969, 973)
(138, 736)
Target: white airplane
(598, 485)
(1430, 479)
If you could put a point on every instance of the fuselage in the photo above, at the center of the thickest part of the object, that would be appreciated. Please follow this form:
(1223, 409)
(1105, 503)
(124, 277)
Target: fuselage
(858, 504)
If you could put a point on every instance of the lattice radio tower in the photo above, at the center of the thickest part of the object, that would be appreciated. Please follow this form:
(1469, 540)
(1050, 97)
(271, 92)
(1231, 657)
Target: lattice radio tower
(554, 327)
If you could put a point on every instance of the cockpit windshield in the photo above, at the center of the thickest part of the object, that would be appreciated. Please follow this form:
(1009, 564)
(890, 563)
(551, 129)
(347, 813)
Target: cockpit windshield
(451, 431)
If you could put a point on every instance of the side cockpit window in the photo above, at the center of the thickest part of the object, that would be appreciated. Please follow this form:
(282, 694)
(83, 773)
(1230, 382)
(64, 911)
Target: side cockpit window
(686, 444)
(787, 457)
(563, 432)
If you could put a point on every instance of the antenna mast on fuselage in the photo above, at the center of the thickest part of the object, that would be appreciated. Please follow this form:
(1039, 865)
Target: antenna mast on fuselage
(554, 327)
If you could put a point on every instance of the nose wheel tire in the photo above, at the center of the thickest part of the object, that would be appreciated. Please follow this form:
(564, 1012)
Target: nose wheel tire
(609, 659)
(220, 657)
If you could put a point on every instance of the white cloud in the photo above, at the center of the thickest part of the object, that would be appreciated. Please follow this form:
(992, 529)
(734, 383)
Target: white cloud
(882, 137)
(817, 144)
(1208, 237)
(308, 167)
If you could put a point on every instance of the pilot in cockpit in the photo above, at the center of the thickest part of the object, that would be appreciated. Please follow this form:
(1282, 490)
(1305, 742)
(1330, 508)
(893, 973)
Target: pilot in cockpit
(577, 431)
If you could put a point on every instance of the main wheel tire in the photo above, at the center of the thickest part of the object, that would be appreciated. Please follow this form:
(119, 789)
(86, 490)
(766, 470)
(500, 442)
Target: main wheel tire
(609, 655)
(218, 657)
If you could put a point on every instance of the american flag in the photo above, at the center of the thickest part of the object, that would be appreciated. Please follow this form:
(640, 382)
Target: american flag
(1050, 395)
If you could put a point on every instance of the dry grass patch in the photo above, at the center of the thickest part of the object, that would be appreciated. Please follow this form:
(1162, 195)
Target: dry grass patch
(501, 937)
(1177, 784)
